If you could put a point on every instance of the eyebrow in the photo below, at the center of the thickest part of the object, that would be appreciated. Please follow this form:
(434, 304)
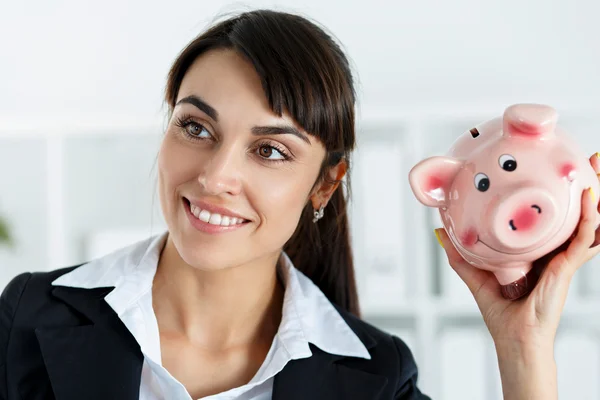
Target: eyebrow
(201, 105)
(257, 130)
(279, 130)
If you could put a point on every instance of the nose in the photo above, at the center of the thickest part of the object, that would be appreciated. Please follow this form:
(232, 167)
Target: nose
(524, 218)
(221, 173)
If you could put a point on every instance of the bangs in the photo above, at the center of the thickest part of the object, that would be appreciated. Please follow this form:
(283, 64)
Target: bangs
(301, 70)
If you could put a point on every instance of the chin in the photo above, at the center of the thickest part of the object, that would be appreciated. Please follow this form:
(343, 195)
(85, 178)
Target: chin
(204, 257)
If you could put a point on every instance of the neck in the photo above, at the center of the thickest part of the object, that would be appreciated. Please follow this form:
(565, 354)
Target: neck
(219, 309)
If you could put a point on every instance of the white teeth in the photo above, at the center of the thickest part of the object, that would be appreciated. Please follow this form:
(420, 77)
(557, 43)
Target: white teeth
(214, 218)
(204, 216)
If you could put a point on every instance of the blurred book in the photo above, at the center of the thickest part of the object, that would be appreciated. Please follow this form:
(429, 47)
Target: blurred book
(379, 222)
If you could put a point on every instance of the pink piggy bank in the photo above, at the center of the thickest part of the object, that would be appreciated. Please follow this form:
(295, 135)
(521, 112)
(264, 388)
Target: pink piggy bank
(508, 192)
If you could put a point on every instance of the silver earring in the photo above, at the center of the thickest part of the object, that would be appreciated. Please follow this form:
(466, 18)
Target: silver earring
(318, 214)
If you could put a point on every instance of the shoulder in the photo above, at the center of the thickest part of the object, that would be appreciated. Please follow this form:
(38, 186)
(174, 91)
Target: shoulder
(27, 291)
(382, 341)
(38, 282)
(24, 302)
(390, 356)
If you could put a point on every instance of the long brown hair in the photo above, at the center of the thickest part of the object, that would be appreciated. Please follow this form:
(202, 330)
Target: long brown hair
(304, 72)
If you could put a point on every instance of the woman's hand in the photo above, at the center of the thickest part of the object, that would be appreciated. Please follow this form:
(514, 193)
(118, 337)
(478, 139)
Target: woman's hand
(524, 330)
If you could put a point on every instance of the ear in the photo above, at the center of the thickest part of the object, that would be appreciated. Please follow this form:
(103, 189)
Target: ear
(325, 189)
(431, 179)
(529, 121)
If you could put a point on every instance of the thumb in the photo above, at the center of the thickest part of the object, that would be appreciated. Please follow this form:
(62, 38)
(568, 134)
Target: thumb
(483, 284)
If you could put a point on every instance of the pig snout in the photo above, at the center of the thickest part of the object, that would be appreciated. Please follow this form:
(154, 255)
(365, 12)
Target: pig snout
(523, 218)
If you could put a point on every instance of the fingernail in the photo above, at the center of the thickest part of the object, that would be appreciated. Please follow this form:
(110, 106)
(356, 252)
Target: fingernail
(598, 154)
(437, 235)
(593, 195)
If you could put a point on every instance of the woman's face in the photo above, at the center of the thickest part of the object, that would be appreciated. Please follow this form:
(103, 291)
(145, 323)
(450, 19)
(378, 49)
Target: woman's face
(233, 176)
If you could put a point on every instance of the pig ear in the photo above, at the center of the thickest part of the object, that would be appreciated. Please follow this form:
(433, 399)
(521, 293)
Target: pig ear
(529, 120)
(432, 178)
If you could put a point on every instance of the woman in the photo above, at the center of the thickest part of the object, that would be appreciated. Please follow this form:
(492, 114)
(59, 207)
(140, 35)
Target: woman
(251, 292)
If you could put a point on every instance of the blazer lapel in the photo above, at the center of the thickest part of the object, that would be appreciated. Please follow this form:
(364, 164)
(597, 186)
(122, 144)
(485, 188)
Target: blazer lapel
(101, 360)
(325, 376)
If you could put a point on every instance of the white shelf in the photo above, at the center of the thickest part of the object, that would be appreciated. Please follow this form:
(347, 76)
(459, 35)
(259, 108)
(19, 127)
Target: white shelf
(448, 309)
(105, 125)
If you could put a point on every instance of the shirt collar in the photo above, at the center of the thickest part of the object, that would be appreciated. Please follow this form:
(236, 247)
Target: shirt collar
(307, 315)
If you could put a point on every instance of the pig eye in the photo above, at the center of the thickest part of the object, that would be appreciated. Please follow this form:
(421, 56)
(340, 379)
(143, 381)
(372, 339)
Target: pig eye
(507, 162)
(482, 182)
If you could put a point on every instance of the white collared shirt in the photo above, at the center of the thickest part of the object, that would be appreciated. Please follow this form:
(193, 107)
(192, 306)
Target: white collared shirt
(307, 317)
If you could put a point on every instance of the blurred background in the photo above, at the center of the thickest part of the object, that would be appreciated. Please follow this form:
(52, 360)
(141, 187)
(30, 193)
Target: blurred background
(81, 118)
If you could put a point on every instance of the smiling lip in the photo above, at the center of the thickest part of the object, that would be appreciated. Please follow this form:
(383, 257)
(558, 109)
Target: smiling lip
(205, 226)
(215, 209)
(498, 251)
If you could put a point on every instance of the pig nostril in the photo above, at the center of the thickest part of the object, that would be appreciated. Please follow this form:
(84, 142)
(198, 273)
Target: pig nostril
(524, 218)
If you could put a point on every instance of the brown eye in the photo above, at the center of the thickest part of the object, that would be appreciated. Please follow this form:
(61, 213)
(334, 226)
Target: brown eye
(266, 151)
(195, 129)
(272, 152)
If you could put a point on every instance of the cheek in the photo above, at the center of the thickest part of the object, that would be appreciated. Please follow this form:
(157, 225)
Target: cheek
(164, 165)
(278, 193)
(468, 237)
(176, 163)
(567, 171)
(278, 196)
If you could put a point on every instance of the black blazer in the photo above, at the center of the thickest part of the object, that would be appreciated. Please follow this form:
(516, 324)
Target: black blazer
(68, 344)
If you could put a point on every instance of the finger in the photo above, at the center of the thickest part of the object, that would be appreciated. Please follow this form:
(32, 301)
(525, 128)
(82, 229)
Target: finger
(482, 284)
(586, 234)
(595, 161)
(594, 249)
(597, 239)
(451, 252)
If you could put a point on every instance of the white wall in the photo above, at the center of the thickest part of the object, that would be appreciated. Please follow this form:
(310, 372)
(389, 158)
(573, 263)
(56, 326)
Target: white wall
(81, 110)
(68, 62)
